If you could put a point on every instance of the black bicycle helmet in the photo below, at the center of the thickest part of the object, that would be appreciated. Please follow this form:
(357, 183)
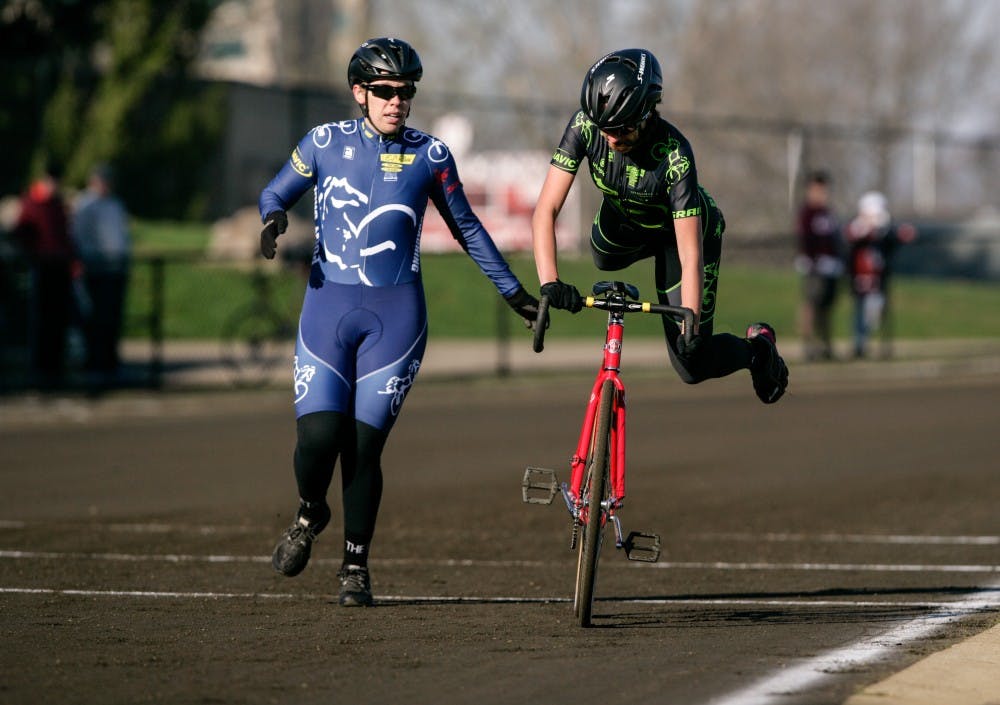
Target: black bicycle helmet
(382, 58)
(621, 88)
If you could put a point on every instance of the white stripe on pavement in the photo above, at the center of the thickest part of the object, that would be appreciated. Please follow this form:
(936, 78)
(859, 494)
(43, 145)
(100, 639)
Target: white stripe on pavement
(782, 686)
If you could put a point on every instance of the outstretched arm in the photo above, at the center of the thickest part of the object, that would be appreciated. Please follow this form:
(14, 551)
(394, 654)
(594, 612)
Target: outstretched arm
(543, 222)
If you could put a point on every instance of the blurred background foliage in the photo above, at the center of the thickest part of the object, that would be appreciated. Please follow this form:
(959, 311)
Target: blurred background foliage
(109, 81)
(197, 103)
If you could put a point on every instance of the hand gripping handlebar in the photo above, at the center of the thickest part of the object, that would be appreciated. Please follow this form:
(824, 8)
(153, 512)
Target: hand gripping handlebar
(614, 301)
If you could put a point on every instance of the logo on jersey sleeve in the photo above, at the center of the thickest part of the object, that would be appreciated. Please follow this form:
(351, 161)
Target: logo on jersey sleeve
(438, 152)
(679, 166)
(444, 177)
(299, 164)
(564, 161)
(586, 127)
(688, 213)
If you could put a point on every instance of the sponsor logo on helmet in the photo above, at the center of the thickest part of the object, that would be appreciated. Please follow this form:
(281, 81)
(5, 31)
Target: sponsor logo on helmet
(642, 68)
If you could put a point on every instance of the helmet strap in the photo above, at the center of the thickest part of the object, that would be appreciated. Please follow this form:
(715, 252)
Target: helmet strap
(364, 111)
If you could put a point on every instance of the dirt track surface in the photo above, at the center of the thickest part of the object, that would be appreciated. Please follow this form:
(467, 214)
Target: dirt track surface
(135, 543)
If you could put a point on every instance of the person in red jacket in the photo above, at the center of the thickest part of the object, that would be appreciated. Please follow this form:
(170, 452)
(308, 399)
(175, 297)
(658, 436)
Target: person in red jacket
(42, 230)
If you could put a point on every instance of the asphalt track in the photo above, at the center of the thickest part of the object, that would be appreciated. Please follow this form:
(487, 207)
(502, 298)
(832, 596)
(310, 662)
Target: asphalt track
(811, 548)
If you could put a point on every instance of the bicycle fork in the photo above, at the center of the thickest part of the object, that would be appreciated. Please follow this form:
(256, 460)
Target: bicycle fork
(638, 546)
(540, 486)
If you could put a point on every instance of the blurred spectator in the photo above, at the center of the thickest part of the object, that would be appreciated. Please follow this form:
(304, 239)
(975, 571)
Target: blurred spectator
(42, 230)
(873, 238)
(101, 234)
(820, 262)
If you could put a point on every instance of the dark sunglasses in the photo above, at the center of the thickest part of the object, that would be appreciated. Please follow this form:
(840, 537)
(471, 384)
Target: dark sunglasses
(384, 92)
(619, 132)
(624, 130)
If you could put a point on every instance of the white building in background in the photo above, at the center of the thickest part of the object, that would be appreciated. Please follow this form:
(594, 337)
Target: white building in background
(281, 46)
(283, 42)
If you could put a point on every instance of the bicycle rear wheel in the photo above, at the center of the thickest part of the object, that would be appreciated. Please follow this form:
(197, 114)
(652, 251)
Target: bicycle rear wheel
(595, 490)
(254, 344)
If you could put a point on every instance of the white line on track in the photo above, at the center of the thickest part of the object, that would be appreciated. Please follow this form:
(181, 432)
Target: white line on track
(771, 537)
(949, 608)
(892, 539)
(271, 596)
(223, 558)
(473, 563)
(848, 567)
(136, 557)
(808, 674)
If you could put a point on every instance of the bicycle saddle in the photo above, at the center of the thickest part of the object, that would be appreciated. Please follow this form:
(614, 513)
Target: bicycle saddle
(620, 287)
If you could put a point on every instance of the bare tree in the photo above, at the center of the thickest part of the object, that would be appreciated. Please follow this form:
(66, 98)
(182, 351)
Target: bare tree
(873, 91)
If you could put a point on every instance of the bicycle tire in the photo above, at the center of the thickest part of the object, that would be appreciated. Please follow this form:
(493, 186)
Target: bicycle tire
(254, 343)
(596, 487)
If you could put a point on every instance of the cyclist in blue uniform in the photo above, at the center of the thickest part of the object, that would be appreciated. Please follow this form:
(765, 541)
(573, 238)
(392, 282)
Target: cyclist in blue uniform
(363, 325)
(653, 207)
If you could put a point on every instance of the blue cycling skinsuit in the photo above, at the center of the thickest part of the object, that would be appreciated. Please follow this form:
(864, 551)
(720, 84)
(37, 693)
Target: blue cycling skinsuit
(363, 326)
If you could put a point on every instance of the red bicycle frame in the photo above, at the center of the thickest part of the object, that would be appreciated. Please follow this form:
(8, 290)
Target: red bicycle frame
(597, 469)
(610, 370)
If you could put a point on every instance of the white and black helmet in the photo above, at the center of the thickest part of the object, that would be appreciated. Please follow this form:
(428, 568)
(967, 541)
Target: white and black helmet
(622, 88)
(384, 58)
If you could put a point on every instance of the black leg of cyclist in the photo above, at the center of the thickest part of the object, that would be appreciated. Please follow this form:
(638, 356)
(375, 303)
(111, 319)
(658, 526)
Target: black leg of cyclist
(719, 354)
(616, 245)
(361, 475)
(361, 469)
(320, 437)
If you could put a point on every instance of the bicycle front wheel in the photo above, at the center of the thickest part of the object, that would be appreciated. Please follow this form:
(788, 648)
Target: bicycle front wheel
(595, 490)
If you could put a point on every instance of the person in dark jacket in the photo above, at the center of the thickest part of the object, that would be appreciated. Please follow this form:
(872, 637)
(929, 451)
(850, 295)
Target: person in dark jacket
(42, 230)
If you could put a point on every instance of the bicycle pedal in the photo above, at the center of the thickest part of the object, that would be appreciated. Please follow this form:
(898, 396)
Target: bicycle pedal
(539, 486)
(642, 547)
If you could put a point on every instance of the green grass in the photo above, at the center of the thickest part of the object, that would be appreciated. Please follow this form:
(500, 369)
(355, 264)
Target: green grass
(168, 238)
(200, 296)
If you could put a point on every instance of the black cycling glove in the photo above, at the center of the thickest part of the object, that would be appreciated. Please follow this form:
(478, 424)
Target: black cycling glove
(688, 352)
(275, 223)
(563, 295)
(525, 305)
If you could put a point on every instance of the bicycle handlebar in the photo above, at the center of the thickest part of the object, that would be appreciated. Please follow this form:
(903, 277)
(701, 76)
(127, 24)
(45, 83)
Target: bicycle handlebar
(541, 323)
(679, 313)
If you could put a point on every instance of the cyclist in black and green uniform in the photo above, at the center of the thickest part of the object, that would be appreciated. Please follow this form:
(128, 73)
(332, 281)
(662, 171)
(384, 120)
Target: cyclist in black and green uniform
(653, 207)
